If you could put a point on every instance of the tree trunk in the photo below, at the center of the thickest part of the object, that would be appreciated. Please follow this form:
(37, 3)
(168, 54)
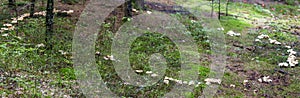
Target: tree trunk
(11, 3)
(16, 13)
(140, 4)
(212, 8)
(219, 17)
(32, 8)
(227, 7)
(128, 9)
(49, 23)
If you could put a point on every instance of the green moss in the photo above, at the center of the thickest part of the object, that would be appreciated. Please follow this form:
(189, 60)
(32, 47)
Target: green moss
(67, 73)
(203, 72)
(230, 23)
(294, 86)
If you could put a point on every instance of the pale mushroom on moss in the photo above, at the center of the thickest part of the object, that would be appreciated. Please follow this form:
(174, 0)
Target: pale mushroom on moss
(212, 80)
(7, 25)
(4, 35)
(231, 33)
(220, 29)
(166, 81)
(154, 75)
(149, 72)
(283, 64)
(262, 36)
(4, 29)
(40, 45)
(149, 12)
(139, 71)
(14, 21)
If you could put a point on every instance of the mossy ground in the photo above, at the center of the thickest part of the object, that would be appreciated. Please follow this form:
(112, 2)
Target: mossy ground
(26, 68)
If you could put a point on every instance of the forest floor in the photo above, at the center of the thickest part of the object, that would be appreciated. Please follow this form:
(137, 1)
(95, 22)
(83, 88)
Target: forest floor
(25, 72)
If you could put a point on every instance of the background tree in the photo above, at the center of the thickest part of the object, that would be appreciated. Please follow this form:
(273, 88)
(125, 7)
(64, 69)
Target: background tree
(11, 3)
(49, 23)
(32, 8)
(219, 17)
(128, 8)
(140, 4)
(212, 8)
(227, 3)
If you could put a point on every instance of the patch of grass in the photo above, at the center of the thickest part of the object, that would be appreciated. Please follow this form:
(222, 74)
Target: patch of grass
(294, 86)
(258, 65)
(283, 37)
(226, 90)
(67, 73)
(203, 72)
(26, 58)
(282, 9)
(139, 55)
(230, 23)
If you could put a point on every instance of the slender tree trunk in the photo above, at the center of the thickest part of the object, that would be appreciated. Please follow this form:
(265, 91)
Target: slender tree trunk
(128, 8)
(11, 3)
(140, 4)
(17, 15)
(32, 8)
(219, 17)
(212, 8)
(43, 2)
(49, 23)
(227, 3)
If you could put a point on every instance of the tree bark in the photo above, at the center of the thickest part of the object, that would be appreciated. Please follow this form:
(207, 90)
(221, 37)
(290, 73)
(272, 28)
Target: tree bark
(49, 23)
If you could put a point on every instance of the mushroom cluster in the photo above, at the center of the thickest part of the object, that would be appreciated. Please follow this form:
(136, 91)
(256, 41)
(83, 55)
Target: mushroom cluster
(265, 79)
(212, 80)
(7, 27)
(291, 60)
(168, 79)
(263, 36)
(231, 33)
(109, 57)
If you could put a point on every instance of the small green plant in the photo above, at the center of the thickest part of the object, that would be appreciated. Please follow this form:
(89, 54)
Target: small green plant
(67, 73)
